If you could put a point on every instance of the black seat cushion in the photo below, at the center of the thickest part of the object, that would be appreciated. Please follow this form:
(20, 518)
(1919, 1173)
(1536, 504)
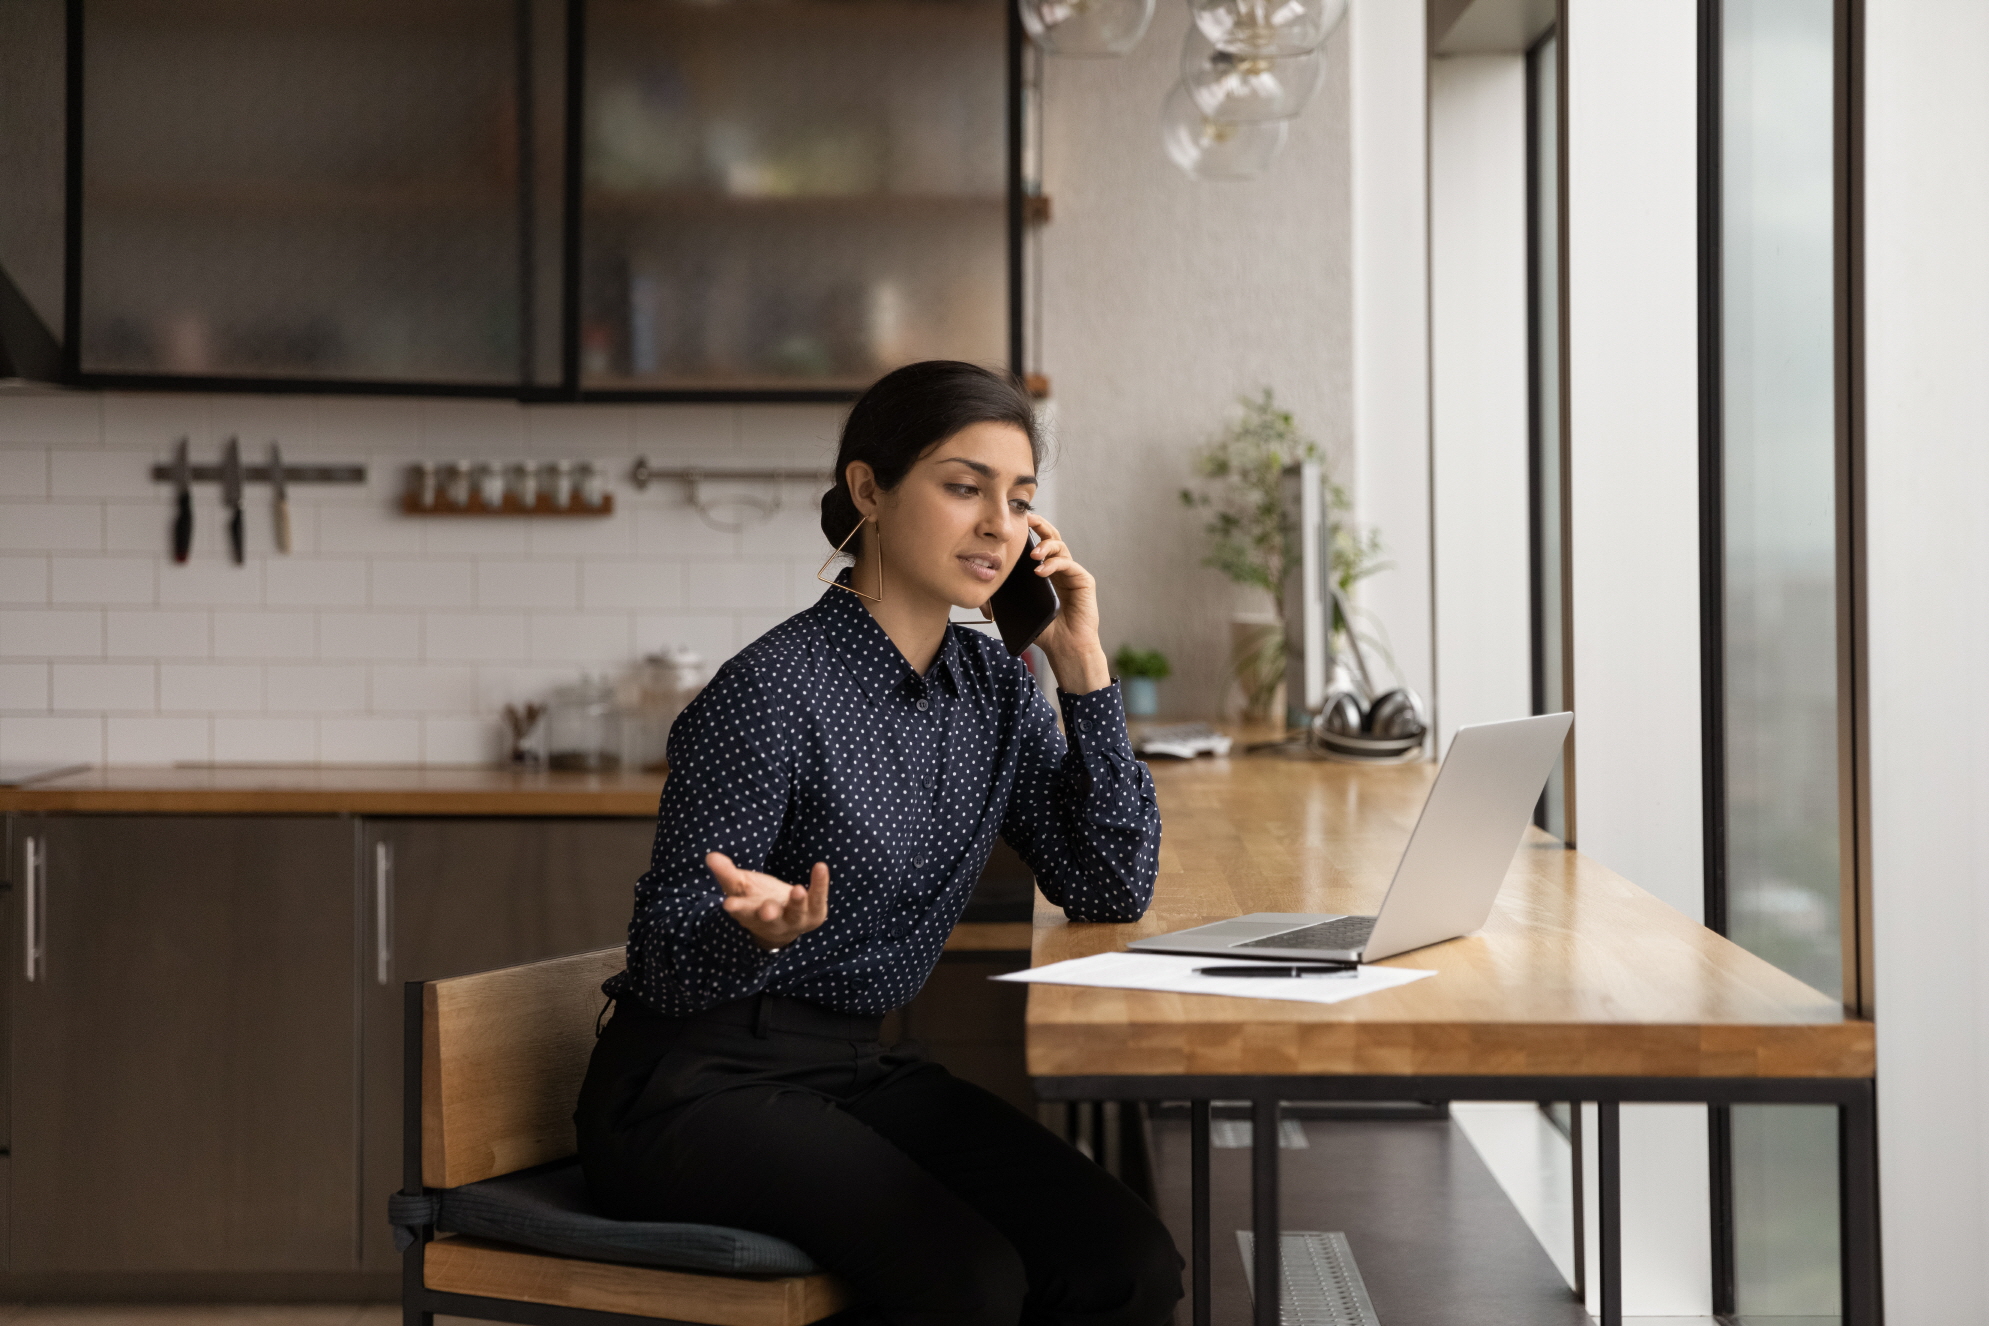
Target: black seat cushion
(548, 1208)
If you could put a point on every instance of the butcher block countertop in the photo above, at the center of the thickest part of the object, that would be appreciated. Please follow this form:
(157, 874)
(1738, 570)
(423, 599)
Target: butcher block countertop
(339, 790)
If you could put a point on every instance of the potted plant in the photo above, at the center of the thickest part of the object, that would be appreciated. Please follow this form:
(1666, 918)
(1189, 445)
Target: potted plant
(1140, 673)
(1253, 539)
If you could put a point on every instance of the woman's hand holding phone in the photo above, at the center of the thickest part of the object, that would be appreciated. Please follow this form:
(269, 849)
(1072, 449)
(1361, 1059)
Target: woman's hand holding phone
(1070, 642)
(775, 912)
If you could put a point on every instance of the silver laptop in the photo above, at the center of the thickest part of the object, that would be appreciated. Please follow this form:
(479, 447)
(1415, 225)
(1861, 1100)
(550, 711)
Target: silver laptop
(1471, 825)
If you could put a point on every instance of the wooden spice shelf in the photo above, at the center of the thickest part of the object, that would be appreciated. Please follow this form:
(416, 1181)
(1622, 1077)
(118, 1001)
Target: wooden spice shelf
(510, 506)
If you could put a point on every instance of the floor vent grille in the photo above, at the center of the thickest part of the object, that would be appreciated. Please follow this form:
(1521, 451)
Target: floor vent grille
(1323, 1287)
(1231, 1134)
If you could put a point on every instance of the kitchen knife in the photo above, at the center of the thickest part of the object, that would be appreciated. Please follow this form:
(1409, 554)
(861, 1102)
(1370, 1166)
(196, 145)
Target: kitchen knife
(282, 496)
(182, 504)
(231, 495)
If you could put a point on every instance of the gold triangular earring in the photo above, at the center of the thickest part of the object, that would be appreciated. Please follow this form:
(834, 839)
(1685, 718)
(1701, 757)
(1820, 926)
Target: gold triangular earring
(878, 597)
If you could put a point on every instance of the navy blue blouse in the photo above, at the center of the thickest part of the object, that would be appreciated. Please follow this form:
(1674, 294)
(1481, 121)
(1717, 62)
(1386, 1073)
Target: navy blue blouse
(817, 742)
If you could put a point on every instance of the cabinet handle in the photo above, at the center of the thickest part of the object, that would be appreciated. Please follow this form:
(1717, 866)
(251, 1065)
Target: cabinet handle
(34, 899)
(383, 912)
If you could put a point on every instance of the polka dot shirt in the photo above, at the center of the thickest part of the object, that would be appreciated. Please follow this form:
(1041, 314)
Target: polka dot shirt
(818, 742)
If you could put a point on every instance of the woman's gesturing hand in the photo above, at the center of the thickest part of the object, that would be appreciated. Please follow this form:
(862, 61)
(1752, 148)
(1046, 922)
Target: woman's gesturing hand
(775, 912)
(1071, 642)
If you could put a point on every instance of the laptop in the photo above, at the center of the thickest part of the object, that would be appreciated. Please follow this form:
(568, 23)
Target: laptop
(1472, 824)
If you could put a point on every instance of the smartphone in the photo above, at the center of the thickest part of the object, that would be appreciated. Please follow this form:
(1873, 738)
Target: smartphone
(1025, 604)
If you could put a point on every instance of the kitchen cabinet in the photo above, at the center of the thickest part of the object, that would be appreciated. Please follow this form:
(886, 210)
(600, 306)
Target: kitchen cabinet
(548, 199)
(181, 1073)
(464, 895)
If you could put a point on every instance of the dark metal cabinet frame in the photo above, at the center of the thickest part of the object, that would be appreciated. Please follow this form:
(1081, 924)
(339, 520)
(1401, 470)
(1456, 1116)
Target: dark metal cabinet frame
(528, 275)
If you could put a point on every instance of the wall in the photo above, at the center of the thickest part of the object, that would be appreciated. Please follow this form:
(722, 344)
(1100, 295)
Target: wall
(381, 637)
(1387, 123)
(1927, 338)
(1633, 465)
(1478, 391)
(1166, 299)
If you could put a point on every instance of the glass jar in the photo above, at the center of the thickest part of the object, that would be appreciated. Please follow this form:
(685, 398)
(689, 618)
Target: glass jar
(583, 727)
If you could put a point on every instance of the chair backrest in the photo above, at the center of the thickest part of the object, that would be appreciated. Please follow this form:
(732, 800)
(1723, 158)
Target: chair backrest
(502, 1056)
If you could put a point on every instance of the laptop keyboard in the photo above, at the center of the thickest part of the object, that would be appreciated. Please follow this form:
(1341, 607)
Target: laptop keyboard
(1346, 932)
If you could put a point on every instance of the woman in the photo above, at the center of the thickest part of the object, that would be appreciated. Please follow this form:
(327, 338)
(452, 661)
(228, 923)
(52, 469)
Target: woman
(868, 747)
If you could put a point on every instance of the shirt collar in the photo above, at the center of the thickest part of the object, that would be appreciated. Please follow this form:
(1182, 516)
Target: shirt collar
(868, 653)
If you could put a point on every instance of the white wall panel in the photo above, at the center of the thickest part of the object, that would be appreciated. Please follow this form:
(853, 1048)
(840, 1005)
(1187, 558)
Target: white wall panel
(1927, 411)
(1478, 394)
(1387, 122)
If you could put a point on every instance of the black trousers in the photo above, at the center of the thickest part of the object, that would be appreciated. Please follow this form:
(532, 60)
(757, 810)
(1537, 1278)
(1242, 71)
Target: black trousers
(938, 1202)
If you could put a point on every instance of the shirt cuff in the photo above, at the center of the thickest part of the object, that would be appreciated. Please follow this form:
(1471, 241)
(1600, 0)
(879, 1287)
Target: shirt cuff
(1096, 720)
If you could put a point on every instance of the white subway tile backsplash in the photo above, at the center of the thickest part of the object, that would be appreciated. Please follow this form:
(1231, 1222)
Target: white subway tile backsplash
(598, 638)
(417, 690)
(474, 637)
(215, 687)
(418, 584)
(103, 580)
(752, 625)
(265, 740)
(313, 689)
(51, 633)
(146, 527)
(649, 584)
(265, 635)
(148, 634)
(23, 472)
(474, 536)
(153, 422)
(460, 741)
(739, 585)
(64, 419)
(47, 527)
(711, 636)
(52, 737)
(103, 473)
(312, 582)
(382, 637)
(507, 584)
(369, 635)
(24, 686)
(210, 581)
(99, 686)
(23, 579)
(369, 740)
(370, 527)
(157, 740)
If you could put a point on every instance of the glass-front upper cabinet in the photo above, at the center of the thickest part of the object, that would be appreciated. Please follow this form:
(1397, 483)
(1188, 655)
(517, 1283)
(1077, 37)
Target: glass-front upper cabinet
(791, 196)
(296, 191)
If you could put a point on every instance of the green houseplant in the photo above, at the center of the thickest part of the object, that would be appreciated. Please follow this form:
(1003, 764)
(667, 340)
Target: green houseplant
(1140, 673)
(1253, 540)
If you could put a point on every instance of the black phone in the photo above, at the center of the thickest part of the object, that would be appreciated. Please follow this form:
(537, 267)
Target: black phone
(1025, 604)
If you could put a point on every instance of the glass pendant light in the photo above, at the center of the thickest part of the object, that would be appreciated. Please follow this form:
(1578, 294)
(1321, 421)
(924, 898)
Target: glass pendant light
(1267, 27)
(1086, 27)
(1247, 89)
(1207, 149)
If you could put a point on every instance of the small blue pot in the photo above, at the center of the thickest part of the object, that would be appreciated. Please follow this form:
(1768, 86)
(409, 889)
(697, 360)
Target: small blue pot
(1142, 696)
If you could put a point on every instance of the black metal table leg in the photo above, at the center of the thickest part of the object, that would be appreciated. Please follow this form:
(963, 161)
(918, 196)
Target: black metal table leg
(1857, 1205)
(1609, 1213)
(1198, 1204)
(1264, 1209)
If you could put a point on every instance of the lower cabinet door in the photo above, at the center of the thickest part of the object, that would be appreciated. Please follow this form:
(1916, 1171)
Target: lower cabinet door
(183, 1058)
(465, 895)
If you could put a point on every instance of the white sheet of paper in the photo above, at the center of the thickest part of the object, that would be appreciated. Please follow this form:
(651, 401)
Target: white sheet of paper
(1175, 973)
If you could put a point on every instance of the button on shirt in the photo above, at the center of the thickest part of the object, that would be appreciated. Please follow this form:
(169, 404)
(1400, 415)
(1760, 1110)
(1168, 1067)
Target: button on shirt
(818, 742)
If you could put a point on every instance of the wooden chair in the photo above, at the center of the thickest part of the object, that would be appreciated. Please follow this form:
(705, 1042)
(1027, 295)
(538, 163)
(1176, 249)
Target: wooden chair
(493, 1069)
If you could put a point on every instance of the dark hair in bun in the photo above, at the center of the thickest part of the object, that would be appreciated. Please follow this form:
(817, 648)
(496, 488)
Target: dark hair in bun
(909, 411)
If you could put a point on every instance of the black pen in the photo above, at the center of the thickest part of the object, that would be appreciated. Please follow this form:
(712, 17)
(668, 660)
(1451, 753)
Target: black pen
(1262, 969)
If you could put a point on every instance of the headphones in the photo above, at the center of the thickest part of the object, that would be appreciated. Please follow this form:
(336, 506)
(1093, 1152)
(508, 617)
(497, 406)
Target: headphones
(1354, 723)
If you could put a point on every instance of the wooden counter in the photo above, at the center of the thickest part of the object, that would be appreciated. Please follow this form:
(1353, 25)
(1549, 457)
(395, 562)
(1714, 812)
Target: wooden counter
(1579, 971)
(340, 790)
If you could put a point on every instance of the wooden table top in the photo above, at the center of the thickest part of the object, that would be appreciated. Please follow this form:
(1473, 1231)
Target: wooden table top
(340, 790)
(1578, 973)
